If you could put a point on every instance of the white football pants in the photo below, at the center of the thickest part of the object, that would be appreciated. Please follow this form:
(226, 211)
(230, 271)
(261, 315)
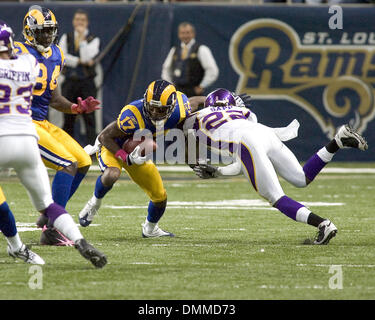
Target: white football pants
(22, 154)
(263, 156)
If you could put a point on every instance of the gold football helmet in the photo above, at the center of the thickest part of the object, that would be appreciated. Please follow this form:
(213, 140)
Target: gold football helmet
(159, 101)
(40, 28)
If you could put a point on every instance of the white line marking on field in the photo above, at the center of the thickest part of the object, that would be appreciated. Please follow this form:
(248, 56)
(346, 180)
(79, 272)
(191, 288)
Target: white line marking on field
(343, 265)
(31, 226)
(26, 226)
(188, 169)
(126, 207)
(177, 185)
(235, 204)
(264, 286)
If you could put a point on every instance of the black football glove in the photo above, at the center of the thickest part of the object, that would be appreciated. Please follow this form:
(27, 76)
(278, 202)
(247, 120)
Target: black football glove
(206, 171)
(246, 99)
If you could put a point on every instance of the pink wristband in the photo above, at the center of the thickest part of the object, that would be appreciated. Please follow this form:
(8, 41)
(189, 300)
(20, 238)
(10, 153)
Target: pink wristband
(121, 154)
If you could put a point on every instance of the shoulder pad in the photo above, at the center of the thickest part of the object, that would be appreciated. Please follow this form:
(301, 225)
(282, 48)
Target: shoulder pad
(130, 119)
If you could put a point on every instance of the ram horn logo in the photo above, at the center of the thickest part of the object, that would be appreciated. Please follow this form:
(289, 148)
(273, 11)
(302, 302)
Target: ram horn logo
(333, 83)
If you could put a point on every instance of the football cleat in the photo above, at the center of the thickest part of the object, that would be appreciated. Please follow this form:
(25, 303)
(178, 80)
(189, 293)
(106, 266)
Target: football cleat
(88, 212)
(327, 230)
(155, 233)
(53, 237)
(98, 259)
(346, 137)
(26, 255)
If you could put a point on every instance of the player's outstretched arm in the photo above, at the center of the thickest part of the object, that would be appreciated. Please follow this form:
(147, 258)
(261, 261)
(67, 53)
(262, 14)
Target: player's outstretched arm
(62, 104)
(207, 171)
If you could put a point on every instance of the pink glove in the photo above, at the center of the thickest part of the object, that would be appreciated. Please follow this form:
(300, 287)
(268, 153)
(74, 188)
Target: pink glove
(88, 105)
(122, 155)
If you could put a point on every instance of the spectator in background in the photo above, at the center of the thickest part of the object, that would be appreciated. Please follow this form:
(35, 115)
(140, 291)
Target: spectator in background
(190, 66)
(80, 48)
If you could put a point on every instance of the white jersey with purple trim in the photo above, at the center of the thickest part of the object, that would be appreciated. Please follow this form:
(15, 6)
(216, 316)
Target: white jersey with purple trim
(256, 149)
(17, 79)
(217, 122)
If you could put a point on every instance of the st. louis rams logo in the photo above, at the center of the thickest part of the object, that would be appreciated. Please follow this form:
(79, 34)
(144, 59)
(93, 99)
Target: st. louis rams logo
(333, 83)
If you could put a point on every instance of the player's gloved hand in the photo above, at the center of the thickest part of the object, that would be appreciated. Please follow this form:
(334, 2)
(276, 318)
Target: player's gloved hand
(246, 99)
(135, 157)
(122, 155)
(206, 171)
(90, 104)
(242, 100)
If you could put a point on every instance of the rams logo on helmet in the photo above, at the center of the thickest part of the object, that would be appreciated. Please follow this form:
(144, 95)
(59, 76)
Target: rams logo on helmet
(159, 101)
(40, 28)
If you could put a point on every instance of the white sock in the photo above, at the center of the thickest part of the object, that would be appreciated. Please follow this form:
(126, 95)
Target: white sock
(15, 242)
(325, 155)
(149, 225)
(302, 214)
(66, 225)
(96, 201)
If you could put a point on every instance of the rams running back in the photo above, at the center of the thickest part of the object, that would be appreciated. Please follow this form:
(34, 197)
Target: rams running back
(162, 108)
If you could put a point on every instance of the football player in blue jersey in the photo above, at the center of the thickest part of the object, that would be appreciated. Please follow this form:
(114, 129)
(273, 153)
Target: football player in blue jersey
(58, 149)
(161, 105)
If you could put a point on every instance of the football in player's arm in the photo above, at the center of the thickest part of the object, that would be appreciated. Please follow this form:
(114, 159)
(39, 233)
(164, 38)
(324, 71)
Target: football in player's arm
(161, 109)
(58, 149)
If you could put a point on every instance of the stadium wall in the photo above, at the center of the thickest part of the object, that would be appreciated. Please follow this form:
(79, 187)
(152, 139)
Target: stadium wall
(296, 61)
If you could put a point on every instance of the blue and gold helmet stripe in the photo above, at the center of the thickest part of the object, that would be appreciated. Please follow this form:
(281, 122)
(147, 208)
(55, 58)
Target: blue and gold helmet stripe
(181, 106)
(165, 97)
(150, 92)
(161, 91)
(2, 196)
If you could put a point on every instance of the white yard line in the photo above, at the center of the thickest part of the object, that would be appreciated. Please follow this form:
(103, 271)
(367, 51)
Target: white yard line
(173, 168)
(342, 265)
(31, 226)
(236, 204)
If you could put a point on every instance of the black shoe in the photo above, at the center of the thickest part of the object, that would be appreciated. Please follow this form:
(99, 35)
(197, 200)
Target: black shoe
(87, 251)
(52, 237)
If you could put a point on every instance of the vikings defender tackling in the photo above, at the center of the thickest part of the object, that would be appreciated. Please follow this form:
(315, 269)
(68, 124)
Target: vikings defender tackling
(259, 153)
(58, 149)
(19, 150)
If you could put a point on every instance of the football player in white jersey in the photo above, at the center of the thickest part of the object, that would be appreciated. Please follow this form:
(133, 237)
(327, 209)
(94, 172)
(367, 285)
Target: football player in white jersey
(259, 153)
(19, 150)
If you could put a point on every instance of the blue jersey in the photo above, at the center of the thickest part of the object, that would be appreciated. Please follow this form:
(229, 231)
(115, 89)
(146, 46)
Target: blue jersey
(131, 117)
(51, 64)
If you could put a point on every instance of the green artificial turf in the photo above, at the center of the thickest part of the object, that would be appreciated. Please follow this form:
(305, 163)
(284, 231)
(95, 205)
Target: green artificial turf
(218, 252)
